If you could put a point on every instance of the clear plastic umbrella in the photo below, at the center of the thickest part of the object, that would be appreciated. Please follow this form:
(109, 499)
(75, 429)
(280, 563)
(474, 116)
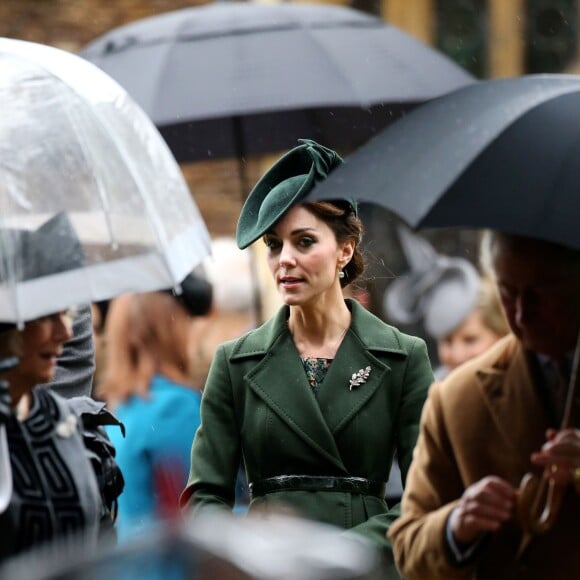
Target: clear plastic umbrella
(92, 202)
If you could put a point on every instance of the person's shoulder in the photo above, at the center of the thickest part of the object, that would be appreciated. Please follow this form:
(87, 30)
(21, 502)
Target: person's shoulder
(377, 333)
(460, 385)
(248, 342)
(257, 341)
(93, 414)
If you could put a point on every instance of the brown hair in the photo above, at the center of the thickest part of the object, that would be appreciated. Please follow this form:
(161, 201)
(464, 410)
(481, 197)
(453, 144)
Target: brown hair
(144, 334)
(346, 225)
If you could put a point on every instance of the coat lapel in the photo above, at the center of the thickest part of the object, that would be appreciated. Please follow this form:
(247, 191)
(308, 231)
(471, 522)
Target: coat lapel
(280, 381)
(511, 396)
(338, 403)
(367, 338)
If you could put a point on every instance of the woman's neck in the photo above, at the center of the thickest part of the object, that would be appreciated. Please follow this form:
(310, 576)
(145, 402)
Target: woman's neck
(18, 388)
(23, 406)
(20, 396)
(318, 332)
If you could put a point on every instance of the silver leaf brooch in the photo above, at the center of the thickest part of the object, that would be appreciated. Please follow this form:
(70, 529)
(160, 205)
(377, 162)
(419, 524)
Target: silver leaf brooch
(359, 378)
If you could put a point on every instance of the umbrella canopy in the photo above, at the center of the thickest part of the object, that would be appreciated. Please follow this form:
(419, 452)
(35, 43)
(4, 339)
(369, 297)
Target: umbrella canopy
(229, 79)
(92, 203)
(499, 154)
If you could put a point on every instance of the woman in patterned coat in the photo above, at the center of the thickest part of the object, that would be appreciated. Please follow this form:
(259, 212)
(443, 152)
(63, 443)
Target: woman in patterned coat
(55, 459)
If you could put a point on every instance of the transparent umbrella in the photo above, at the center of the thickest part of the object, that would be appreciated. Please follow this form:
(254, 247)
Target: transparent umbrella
(92, 202)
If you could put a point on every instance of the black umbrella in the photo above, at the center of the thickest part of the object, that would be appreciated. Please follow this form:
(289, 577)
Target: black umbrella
(234, 79)
(500, 154)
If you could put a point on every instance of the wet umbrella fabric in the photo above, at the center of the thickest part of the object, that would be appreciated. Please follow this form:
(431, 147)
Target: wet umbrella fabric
(230, 79)
(84, 171)
(500, 154)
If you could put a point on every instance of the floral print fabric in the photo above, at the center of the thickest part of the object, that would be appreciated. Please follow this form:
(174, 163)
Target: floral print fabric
(316, 369)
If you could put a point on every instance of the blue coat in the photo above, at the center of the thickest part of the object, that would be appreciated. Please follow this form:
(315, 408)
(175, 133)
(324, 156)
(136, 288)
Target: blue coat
(159, 433)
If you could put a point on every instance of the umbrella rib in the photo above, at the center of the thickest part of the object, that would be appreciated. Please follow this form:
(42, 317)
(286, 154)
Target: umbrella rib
(281, 27)
(79, 128)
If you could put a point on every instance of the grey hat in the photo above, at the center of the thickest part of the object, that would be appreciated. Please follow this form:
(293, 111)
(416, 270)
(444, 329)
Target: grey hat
(24, 255)
(52, 248)
(439, 290)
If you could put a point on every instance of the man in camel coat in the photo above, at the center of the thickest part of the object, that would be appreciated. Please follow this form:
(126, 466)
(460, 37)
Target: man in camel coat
(489, 423)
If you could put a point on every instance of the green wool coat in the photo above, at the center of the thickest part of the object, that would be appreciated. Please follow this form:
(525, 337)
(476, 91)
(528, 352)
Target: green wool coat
(257, 403)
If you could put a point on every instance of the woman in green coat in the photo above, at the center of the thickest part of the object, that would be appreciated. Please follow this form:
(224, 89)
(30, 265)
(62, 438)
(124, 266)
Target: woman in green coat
(318, 399)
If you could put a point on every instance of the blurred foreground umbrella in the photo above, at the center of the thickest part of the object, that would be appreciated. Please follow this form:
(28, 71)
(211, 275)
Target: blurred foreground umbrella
(214, 545)
(92, 203)
(235, 79)
(500, 154)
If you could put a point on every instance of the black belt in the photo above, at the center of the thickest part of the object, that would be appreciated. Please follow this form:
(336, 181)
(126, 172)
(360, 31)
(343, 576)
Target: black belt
(318, 483)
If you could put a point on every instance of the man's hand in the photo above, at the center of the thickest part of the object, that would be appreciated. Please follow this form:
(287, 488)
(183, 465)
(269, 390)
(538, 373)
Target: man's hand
(560, 456)
(483, 507)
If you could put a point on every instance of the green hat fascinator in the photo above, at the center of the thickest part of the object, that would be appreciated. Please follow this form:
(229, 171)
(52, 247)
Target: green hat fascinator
(287, 182)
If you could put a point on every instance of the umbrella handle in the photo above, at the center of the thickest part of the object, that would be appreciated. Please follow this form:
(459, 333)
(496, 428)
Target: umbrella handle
(539, 503)
(539, 498)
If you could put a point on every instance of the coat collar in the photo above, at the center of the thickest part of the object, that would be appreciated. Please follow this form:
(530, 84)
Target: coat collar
(280, 381)
(509, 387)
(373, 333)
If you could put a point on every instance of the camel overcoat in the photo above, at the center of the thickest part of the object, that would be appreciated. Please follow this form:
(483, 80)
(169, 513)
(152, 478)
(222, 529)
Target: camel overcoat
(258, 403)
(486, 418)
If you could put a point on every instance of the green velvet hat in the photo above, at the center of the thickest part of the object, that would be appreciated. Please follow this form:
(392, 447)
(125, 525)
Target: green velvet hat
(286, 183)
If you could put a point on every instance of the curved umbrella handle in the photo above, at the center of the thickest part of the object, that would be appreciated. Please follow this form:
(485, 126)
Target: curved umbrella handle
(539, 503)
(539, 498)
(5, 471)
